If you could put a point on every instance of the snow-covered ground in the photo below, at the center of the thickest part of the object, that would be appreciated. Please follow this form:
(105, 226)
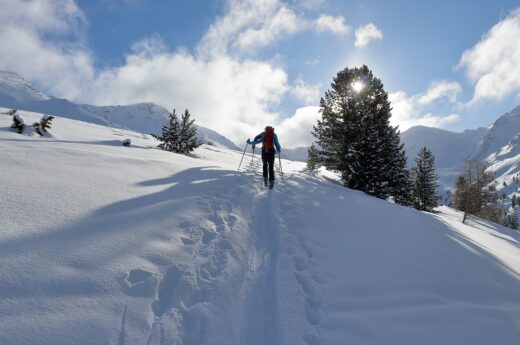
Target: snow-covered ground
(104, 244)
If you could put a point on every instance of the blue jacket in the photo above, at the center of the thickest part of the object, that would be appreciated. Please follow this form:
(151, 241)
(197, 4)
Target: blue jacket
(260, 139)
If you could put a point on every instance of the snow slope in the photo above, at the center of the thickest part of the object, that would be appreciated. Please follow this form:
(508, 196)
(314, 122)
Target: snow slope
(14, 90)
(499, 134)
(103, 244)
(146, 118)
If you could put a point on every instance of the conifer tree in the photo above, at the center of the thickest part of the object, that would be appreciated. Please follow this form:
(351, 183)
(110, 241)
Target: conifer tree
(179, 137)
(513, 224)
(355, 137)
(44, 125)
(425, 181)
(170, 134)
(312, 158)
(18, 121)
(188, 134)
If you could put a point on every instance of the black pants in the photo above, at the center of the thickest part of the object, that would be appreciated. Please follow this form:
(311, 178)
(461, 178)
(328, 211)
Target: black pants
(268, 160)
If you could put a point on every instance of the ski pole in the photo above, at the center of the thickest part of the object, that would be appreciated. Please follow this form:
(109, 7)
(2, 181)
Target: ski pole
(242, 157)
(253, 157)
(280, 160)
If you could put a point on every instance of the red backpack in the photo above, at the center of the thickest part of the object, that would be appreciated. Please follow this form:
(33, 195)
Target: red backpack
(268, 143)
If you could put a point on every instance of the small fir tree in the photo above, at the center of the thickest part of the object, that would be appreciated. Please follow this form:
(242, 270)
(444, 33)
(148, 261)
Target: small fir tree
(188, 134)
(179, 137)
(18, 122)
(312, 158)
(425, 181)
(514, 220)
(170, 134)
(44, 125)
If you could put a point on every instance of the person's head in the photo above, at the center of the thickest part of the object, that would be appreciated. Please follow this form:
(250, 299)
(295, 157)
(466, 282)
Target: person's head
(269, 128)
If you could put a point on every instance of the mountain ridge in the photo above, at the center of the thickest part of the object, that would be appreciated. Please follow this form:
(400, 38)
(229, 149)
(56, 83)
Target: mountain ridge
(146, 118)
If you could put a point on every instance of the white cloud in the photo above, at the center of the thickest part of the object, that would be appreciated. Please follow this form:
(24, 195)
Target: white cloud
(493, 63)
(296, 130)
(283, 22)
(245, 20)
(44, 16)
(249, 25)
(366, 34)
(309, 4)
(229, 96)
(308, 94)
(312, 62)
(43, 40)
(333, 24)
(439, 90)
(36, 43)
(409, 111)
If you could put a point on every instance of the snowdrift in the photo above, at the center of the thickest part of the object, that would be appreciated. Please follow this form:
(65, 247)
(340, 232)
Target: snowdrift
(105, 244)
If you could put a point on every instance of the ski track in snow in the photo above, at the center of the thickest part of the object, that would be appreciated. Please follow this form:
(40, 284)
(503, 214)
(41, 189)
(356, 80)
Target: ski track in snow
(180, 289)
(259, 289)
(300, 254)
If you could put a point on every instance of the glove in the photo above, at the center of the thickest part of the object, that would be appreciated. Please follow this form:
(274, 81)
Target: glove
(253, 146)
(248, 141)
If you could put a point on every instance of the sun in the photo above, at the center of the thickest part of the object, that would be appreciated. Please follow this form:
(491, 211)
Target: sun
(357, 86)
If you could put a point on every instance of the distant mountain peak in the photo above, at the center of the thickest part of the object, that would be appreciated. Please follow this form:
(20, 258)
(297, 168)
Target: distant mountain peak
(15, 90)
(146, 117)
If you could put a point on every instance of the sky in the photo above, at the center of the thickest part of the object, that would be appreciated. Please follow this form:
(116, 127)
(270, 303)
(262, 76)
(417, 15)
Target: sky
(239, 65)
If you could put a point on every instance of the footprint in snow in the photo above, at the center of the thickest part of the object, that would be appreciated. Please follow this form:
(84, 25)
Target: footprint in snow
(140, 283)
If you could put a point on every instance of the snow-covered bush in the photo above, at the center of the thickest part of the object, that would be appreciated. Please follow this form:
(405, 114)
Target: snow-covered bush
(44, 125)
(126, 142)
(18, 122)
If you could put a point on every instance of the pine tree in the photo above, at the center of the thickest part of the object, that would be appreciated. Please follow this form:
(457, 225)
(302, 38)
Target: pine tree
(45, 122)
(179, 137)
(355, 137)
(18, 121)
(188, 134)
(513, 224)
(312, 158)
(170, 134)
(425, 181)
(44, 125)
(400, 181)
